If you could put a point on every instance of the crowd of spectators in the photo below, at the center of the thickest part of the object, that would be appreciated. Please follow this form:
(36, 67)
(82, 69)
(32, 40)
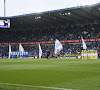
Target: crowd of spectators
(66, 32)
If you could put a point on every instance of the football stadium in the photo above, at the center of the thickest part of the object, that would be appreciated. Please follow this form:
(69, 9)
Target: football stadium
(51, 50)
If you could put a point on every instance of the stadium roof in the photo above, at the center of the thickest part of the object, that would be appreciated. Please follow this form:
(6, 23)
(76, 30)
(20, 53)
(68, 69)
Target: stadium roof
(74, 15)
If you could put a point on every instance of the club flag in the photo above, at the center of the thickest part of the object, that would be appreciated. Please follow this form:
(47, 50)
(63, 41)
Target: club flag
(58, 46)
(40, 51)
(21, 49)
(83, 44)
(9, 50)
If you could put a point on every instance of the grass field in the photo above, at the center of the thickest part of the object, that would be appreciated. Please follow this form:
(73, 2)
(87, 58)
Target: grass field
(43, 74)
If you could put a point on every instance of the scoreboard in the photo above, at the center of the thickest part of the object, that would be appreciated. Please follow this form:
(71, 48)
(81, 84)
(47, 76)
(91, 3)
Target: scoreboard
(5, 23)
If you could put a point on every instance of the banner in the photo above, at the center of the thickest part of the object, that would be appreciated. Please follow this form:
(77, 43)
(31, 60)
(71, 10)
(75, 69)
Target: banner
(19, 54)
(21, 49)
(58, 46)
(50, 42)
(83, 44)
(9, 50)
(40, 51)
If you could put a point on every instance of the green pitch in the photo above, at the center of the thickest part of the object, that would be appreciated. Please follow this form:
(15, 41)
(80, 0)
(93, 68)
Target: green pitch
(43, 74)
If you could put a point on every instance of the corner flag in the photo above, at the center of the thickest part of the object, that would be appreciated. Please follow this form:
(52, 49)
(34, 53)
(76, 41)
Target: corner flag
(40, 51)
(83, 44)
(9, 50)
(58, 45)
(21, 49)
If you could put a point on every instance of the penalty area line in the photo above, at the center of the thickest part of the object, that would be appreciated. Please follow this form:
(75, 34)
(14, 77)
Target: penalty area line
(45, 87)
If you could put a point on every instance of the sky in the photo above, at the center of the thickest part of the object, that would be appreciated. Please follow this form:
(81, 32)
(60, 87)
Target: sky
(20, 7)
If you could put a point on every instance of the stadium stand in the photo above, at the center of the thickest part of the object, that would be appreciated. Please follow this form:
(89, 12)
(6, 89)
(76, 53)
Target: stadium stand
(88, 31)
(64, 24)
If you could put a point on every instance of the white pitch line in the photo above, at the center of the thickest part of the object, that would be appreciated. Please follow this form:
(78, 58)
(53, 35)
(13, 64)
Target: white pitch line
(38, 86)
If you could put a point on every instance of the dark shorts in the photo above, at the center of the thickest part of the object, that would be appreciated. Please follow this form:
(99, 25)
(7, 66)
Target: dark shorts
(47, 54)
(58, 55)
